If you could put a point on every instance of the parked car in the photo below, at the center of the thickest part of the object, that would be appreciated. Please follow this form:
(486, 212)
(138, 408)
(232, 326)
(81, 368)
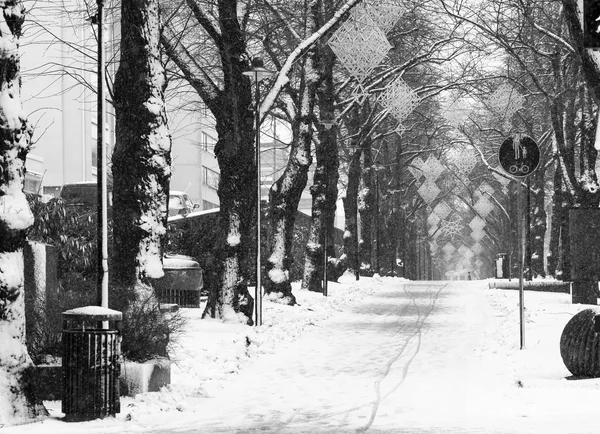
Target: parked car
(181, 204)
(82, 194)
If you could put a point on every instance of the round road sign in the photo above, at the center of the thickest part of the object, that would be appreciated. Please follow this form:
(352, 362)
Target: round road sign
(519, 156)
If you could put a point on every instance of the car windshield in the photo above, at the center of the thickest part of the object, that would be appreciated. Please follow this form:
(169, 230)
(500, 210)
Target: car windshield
(174, 202)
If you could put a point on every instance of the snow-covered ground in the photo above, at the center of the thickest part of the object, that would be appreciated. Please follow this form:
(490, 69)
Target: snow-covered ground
(377, 355)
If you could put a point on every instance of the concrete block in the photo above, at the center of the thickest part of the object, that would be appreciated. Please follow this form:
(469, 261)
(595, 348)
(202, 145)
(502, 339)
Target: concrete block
(144, 377)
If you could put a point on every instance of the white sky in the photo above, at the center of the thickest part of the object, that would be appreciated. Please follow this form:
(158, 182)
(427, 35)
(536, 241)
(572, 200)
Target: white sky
(380, 355)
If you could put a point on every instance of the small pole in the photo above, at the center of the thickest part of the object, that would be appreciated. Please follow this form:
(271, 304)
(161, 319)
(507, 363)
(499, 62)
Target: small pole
(521, 237)
(325, 258)
(102, 163)
(258, 290)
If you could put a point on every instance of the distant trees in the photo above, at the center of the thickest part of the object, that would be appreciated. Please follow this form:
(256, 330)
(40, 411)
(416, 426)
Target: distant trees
(17, 400)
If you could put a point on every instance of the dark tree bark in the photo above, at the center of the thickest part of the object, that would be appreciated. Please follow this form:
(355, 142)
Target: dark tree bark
(285, 196)
(324, 189)
(537, 214)
(20, 403)
(350, 259)
(142, 156)
(366, 198)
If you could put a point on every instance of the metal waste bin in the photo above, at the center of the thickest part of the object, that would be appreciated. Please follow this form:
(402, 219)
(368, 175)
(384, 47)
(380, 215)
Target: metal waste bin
(91, 367)
(182, 283)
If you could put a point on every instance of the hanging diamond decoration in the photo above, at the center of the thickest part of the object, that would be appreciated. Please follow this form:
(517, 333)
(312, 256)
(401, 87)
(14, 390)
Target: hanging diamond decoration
(451, 228)
(503, 182)
(483, 206)
(432, 168)
(433, 220)
(477, 224)
(449, 248)
(485, 189)
(428, 191)
(478, 235)
(457, 113)
(464, 160)
(442, 210)
(416, 167)
(506, 101)
(385, 15)
(477, 248)
(399, 99)
(400, 129)
(360, 46)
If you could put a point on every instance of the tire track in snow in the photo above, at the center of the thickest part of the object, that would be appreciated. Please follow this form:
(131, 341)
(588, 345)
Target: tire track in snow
(417, 333)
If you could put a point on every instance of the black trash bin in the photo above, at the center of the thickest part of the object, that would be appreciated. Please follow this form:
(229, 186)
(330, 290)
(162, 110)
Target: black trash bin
(91, 363)
(182, 283)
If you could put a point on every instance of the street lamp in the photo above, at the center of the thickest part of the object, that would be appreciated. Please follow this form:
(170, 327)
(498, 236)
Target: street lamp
(257, 73)
(328, 121)
(102, 281)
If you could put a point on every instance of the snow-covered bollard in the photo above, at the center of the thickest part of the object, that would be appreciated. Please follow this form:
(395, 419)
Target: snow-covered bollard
(91, 363)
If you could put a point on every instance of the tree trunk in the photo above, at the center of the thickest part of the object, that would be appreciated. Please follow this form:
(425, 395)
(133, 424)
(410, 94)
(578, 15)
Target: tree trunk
(538, 223)
(324, 189)
(366, 204)
(285, 196)
(142, 156)
(553, 251)
(349, 262)
(18, 401)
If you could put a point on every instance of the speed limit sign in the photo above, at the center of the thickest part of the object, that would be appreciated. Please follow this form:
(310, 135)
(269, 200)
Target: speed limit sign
(519, 156)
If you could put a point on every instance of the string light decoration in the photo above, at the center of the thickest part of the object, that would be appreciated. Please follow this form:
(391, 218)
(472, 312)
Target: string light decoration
(442, 210)
(506, 101)
(451, 228)
(360, 45)
(432, 168)
(428, 191)
(399, 99)
(483, 206)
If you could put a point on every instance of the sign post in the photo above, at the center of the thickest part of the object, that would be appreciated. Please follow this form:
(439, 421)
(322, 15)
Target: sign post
(519, 156)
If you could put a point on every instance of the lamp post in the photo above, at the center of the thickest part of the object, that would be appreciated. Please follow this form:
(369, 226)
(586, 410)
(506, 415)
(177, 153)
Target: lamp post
(257, 73)
(102, 192)
(328, 122)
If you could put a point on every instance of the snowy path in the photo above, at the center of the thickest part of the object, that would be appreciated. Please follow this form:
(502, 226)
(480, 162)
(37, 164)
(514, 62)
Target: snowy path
(362, 370)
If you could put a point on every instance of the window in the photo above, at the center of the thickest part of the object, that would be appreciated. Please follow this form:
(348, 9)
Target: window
(208, 205)
(210, 177)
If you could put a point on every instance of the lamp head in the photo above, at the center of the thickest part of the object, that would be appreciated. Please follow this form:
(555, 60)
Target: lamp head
(328, 121)
(258, 70)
